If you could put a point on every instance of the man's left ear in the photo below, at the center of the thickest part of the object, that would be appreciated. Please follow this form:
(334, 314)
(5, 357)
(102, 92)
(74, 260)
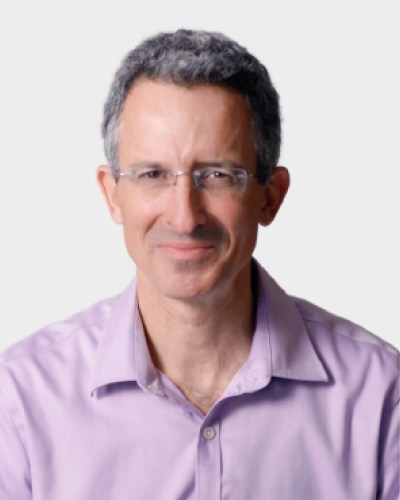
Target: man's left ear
(274, 191)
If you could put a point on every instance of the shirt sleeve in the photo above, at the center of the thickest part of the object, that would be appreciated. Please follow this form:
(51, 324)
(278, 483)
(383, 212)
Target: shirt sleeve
(389, 459)
(14, 465)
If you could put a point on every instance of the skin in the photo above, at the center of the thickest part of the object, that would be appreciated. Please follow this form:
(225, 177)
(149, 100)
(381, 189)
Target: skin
(192, 249)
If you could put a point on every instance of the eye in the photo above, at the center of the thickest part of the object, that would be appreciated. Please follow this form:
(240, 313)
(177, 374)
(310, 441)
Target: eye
(215, 177)
(217, 174)
(151, 174)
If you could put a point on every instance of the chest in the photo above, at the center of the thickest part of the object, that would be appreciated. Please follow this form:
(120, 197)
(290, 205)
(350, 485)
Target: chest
(133, 445)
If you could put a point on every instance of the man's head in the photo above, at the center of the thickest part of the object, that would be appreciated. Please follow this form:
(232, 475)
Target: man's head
(198, 57)
(185, 160)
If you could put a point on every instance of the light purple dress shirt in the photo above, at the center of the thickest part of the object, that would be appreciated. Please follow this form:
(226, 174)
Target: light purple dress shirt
(313, 413)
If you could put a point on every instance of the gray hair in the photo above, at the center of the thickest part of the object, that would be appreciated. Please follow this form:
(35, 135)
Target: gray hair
(187, 57)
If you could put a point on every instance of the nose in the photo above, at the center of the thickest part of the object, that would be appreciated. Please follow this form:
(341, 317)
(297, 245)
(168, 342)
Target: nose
(184, 208)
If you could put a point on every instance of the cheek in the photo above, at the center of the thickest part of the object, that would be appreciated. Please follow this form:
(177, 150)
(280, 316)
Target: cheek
(240, 221)
(240, 213)
(137, 213)
(137, 217)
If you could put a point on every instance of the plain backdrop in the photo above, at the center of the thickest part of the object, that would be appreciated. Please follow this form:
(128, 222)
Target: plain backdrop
(335, 64)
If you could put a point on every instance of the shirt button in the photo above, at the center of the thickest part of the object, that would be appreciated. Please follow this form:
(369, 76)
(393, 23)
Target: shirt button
(209, 433)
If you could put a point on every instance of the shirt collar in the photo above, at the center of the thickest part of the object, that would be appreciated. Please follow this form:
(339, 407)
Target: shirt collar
(281, 344)
(292, 353)
(123, 354)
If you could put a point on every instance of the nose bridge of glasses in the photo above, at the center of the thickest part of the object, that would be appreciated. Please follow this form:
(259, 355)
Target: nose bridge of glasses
(174, 177)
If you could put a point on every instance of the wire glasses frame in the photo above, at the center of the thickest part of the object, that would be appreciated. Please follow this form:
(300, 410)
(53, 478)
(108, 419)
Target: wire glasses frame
(209, 177)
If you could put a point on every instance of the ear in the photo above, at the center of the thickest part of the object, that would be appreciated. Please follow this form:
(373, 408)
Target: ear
(108, 186)
(274, 191)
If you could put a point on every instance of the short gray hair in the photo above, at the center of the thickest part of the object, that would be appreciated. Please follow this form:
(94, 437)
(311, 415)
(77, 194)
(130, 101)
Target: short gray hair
(187, 57)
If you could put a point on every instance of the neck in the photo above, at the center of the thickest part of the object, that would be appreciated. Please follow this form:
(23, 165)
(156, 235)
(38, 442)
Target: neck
(199, 344)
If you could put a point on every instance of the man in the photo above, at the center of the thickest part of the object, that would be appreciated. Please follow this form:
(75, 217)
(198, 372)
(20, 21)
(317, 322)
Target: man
(203, 379)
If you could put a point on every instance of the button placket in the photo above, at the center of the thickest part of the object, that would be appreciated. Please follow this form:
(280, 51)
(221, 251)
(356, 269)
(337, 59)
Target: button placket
(208, 471)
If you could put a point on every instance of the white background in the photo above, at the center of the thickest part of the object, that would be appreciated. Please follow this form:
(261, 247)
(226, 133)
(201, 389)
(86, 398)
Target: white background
(335, 65)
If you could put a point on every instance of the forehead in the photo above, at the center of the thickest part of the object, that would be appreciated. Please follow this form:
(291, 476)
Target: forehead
(204, 118)
(159, 97)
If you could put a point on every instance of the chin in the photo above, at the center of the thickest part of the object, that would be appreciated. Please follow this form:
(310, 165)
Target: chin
(184, 289)
(189, 284)
(189, 280)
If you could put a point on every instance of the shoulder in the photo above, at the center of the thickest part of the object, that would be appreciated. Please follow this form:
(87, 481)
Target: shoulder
(351, 353)
(339, 328)
(347, 351)
(82, 328)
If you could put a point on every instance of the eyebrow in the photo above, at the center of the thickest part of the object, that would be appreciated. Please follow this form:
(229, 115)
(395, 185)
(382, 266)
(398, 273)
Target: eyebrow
(198, 164)
(146, 164)
(218, 164)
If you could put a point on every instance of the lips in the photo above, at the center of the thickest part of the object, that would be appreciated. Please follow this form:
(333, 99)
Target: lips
(186, 250)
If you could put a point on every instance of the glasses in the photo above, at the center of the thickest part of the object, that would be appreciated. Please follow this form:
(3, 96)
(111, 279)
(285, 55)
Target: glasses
(210, 177)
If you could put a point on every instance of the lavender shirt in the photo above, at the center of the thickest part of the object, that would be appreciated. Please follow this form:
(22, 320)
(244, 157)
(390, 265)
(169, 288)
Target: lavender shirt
(313, 414)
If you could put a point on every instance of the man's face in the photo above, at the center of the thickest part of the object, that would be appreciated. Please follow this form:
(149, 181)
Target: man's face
(187, 244)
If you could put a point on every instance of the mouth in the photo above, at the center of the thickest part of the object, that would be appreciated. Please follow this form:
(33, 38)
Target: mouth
(187, 251)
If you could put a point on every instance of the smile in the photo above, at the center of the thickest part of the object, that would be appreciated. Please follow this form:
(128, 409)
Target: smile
(186, 250)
